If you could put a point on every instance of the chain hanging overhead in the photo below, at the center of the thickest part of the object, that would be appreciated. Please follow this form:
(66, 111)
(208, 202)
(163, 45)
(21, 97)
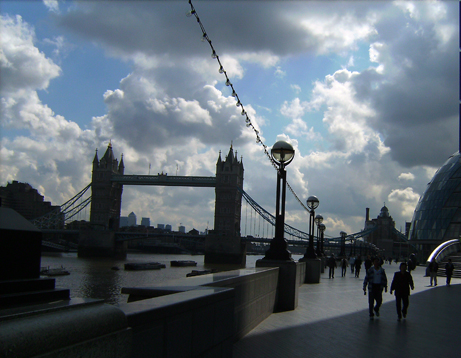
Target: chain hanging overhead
(244, 113)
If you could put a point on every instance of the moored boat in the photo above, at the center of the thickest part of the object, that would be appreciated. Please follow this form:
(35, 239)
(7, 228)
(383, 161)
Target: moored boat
(182, 263)
(46, 271)
(144, 266)
(201, 272)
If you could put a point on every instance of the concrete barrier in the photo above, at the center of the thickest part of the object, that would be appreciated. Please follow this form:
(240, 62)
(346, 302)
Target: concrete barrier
(80, 328)
(211, 312)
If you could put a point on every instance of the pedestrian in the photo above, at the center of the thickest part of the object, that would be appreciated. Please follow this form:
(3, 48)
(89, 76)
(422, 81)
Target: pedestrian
(358, 266)
(449, 267)
(433, 268)
(352, 263)
(376, 280)
(412, 262)
(401, 284)
(332, 265)
(368, 263)
(344, 266)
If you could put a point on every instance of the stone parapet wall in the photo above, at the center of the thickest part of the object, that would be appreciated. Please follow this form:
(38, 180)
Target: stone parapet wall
(211, 312)
(84, 328)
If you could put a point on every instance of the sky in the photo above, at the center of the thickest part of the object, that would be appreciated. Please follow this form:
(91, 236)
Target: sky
(366, 92)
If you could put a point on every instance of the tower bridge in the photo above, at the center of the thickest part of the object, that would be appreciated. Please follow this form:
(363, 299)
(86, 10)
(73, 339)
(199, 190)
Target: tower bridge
(223, 245)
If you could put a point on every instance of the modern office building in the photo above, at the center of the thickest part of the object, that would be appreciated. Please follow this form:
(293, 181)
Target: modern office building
(437, 217)
(132, 219)
(145, 222)
(123, 221)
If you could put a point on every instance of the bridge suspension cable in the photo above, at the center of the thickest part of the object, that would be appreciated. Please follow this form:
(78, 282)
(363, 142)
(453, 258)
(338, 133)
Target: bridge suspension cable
(244, 113)
(57, 217)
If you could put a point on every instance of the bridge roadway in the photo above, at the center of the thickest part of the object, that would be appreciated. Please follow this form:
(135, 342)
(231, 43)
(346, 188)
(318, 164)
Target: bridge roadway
(332, 321)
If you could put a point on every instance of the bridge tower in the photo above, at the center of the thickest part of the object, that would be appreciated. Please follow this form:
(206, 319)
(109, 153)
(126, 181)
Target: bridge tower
(106, 202)
(224, 244)
(106, 198)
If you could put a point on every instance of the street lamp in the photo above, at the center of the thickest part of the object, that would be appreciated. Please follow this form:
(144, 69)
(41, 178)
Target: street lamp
(322, 230)
(312, 204)
(343, 244)
(282, 154)
(318, 220)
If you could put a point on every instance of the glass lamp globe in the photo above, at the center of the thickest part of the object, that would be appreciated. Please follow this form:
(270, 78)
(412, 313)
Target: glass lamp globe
(313, 202)
(282, 152)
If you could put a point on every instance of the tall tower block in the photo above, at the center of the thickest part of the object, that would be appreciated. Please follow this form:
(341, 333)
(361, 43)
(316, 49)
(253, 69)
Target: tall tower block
(224, 244)
(106, 199)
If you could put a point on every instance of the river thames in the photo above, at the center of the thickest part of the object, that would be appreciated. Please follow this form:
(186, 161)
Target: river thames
(95, 278)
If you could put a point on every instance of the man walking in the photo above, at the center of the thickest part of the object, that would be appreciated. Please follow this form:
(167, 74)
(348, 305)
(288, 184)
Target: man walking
(401, 284)
(376, 280)
(449, 267)
(332, 265)
(433, 268)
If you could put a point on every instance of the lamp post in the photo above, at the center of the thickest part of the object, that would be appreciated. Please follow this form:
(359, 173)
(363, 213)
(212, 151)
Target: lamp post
(322, 230)
(282, 153)
(312, 204)
(318, 220)
(343, 243)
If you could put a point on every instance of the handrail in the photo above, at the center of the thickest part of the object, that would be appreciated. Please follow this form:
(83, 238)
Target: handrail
(441, 251)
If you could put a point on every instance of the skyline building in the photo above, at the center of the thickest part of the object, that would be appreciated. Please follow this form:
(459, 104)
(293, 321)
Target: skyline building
(25, 200)
(437, 217)
(145, 222)
(132, 219)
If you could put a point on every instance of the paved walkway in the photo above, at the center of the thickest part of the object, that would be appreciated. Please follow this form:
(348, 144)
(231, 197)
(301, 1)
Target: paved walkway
(332, 321)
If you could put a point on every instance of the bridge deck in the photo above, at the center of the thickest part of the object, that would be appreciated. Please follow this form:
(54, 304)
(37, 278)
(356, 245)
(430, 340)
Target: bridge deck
(332, 321)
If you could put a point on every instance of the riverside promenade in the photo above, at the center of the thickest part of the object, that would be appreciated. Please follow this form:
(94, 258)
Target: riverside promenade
(332, 321)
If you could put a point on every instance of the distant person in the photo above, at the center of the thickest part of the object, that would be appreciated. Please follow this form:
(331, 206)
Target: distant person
(368, 263)
(412, 262)
(449, 268)
(433, 268)
(332, 265)
(352, 263)
(376, 280)
(344, 266)
(358, 266)
(401, 284)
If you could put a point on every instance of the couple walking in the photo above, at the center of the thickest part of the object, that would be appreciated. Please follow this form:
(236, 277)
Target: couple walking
(376, 280)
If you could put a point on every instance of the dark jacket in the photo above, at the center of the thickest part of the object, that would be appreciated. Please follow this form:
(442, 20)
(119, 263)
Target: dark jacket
(332, 262)
(401, 283)
(433, 266)
(368, 264)
(449, 267)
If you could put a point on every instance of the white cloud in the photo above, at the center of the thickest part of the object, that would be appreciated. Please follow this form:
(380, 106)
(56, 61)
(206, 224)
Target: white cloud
(406, 176)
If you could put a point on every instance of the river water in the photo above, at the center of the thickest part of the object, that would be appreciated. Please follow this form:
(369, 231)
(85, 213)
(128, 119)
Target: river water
(95, 278)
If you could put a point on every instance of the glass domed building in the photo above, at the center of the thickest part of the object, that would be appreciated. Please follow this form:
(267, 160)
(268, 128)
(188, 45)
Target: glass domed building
(437, 217)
